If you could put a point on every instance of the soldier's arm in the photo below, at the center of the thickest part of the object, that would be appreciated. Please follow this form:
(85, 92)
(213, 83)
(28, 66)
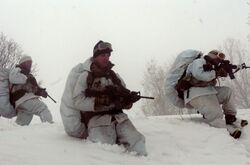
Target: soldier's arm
(16, 77)
(82, 102)
(197, 71)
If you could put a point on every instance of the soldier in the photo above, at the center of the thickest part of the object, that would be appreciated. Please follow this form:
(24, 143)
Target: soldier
(88, 108)
(210, 100)
(24, 95)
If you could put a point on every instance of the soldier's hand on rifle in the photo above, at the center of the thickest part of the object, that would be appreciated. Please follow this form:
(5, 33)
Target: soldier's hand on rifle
(41, 92)
(31, 79)
(122, 103)
(221, 72)
(89, 92)
(102, 100)
(134, 96)
(111, 91)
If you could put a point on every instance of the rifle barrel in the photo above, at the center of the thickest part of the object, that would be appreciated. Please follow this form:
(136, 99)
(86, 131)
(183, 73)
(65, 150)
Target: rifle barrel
(51, 98)
(146, 97)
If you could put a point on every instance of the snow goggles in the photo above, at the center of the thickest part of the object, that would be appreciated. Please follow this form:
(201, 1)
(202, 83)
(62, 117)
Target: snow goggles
(104, 46)
(219, 54)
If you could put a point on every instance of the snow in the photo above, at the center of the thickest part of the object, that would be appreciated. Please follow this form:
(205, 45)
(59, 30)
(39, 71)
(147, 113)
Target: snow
(175, 140)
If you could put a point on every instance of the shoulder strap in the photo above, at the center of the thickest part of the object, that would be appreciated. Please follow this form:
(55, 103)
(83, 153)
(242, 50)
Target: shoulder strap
(90, 79)
(114, 78)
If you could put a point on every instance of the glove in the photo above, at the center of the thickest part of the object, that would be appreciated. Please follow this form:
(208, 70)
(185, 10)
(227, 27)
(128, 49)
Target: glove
(183, 83)
(102, 100)
(221, 72)
(89, 92)
(41, 92)
(31, 80)
(135, 96)
(122, 103)
(127, 102)
(111, 91)
(207, 67)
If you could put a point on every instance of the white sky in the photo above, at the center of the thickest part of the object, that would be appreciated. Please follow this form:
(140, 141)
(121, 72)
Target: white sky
(59, 34)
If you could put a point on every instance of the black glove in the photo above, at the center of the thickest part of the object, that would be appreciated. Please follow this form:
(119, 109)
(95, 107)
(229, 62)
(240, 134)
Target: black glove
(127, 102)
(41, 92)
(111, 91)
(89, 92)
(102, 100)
(135, 96)
(207, 67)
(31, 79)
(122, 103)
(221, 72)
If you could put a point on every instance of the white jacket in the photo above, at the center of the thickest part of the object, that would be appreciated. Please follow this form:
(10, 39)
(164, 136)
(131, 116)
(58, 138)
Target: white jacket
(17, 78)
(196, 70)
(73, 101)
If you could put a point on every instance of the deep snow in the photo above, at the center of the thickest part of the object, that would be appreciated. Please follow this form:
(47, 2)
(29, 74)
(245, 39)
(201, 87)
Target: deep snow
(175, 140)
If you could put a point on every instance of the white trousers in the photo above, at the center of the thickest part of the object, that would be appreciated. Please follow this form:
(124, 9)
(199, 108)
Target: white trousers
(27, 109)
(6, 109)
(119, 133)
(212, 107)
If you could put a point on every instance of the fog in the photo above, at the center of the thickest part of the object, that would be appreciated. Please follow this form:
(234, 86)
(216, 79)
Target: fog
(59, 34)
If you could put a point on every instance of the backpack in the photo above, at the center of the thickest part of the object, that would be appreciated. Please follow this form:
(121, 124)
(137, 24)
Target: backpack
(176, 73)
(6, 109)
(4, 81)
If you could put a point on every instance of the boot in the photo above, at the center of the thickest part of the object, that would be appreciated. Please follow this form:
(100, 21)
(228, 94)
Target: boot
(243, 123)
(232, 120)
(234, 131)
(236, 134)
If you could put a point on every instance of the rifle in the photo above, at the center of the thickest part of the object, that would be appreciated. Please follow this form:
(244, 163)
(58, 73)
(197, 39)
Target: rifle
(38, 90)
(231, 68)
(115, 92)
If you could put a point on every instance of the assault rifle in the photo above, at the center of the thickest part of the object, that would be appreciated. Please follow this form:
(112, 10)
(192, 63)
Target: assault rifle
(38, 90)
(231, 68)
(115, 92)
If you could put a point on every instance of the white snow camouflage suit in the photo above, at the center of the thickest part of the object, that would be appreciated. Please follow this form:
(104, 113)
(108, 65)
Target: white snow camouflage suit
(29, 104)
(100, 128)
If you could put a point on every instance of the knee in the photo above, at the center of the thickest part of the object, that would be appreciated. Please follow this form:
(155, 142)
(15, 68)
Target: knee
(22, 122)
(46, 116)
(227, 91)
(139, 147)
(141, 138)
(82, 133)
(212, 114)
(102, 136)
(218, 123)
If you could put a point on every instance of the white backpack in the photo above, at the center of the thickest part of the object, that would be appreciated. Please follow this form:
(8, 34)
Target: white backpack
(6, 109)
(4, 81)
(176, 72)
